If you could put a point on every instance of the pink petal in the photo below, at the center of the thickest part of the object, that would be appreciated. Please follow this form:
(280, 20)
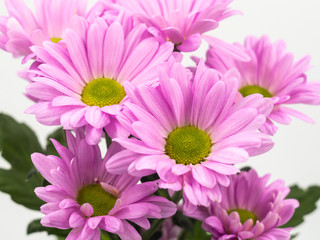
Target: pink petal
(202, 26)
(119, 162)
(221, 168)
(93, 222)
(76, 220)
(174, 34)
(137, 146)
(234, 123)
(142, 222)
(138, 192)
(111, 224)
(86, 209)
(203, 176)
(93, 135)
(129, 233)
(138, 59)
(180, 169)
(96, 118)
(230, 155)
(191, 44)
(215, 223)
(148, 135)
(113, 50)
(132, 211)
(233, 51)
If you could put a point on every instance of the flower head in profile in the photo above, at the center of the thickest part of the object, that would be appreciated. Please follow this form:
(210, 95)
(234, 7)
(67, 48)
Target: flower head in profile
(83, 196)
(23, 29)
(81, 85)
(272, 73)
(190, 132)
(249, 209)
(181, 22)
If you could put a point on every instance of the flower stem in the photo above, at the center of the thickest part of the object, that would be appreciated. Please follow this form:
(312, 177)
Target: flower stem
(177, 196)
(108, 139)
(155, 225)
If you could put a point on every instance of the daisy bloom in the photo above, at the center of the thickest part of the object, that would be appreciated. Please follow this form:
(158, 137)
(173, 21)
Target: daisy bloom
(272, 73)
(189, 132)
(249, 209)
(81, 85)
(83, 196)
(23, 29)
(181, 22)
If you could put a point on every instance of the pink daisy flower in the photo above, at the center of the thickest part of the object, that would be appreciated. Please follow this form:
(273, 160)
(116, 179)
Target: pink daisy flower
(249, 209)
(181, 22)
(273, 73)
(190, 133)
(85, 197)
(23, 29)
(81, 85)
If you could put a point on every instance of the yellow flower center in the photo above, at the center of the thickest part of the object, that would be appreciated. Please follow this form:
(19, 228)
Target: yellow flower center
(244, 215)
(103, 92)
(252, 89)
(188, 145)
(56, 40)
(101, 201)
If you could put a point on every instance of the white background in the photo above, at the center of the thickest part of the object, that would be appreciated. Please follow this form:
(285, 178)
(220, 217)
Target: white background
(295, 157)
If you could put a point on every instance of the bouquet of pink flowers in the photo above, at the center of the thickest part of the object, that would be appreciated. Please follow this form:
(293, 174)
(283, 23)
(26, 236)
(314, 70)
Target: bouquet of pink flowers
(147, 147)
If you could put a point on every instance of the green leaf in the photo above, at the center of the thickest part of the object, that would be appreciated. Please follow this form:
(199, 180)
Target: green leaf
(307, 199)
(17, 143)
(108, 236)
(182, 221)
(58, 135)
(35, 226)
(196, 233)
(104, 236)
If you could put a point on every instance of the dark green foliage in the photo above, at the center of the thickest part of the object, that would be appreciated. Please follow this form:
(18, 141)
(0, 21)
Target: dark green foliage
(58, 135)
(195, 233)
(17, 143)
(293, 236)
(183, 221)
(307, 199)
(108, 236)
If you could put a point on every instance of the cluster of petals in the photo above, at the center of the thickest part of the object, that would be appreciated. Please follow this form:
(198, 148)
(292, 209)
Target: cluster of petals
(81, 165)
(247, 191)
(92, 51)
(272, 68)
(179, 21)
(207, 103)
(135, 45)
(23, 29)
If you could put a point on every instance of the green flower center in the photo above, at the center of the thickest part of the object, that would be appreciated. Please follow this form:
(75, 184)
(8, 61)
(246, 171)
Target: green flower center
(103, 92)
(101, 201)
(252, 89)
(188, 145)
(56, 40)
(244, 215)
